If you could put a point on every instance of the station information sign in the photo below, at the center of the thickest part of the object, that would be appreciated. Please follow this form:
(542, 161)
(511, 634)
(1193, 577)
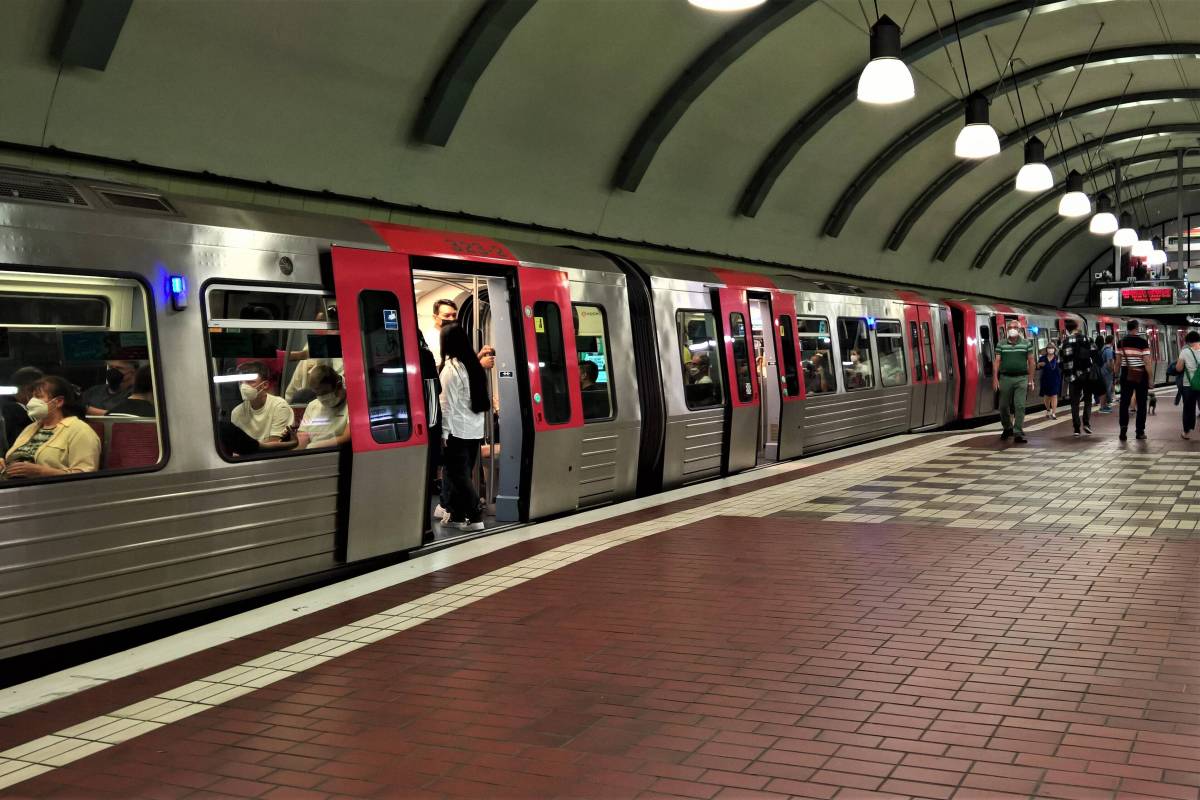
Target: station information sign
(1147, 296)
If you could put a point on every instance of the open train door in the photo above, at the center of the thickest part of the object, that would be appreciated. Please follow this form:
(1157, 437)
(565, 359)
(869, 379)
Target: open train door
(556, 399)
(741, 444)
(384, 509)
(791, 386)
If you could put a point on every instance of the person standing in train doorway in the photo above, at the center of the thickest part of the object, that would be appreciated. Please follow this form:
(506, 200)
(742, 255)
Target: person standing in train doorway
(1012, 376)
(1135, 365)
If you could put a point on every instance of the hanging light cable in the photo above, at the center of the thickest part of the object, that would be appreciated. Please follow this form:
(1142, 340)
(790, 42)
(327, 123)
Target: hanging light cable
(1035, 175)
(1074, 203)
(978, 138)
(885, 79)
(1125, 236)
(1104, 222)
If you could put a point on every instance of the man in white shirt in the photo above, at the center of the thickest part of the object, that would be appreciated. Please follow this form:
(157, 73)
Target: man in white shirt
(263, 416)
(326, 420)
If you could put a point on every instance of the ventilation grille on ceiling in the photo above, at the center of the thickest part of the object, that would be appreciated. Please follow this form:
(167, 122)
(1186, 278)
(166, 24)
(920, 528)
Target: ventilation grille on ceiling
(42, 190)
(139, 202)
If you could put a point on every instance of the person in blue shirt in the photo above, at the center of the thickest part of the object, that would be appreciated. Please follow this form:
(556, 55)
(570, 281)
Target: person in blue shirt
(1051, 368)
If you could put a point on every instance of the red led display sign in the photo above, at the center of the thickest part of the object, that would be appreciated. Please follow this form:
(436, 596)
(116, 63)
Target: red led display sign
(1148, 296)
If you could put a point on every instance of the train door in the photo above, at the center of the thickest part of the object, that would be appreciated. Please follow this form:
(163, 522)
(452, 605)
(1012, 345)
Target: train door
(935, 389)
(742, 415)
(766, 375)
(386, 412)
(791, 387)
(912, 324)
(951, 364)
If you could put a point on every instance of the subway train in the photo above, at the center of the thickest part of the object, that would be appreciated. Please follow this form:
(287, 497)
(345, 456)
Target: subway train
(194, 329)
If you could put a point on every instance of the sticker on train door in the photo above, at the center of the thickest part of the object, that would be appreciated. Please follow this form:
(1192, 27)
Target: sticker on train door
(539, 325)
(391, 319)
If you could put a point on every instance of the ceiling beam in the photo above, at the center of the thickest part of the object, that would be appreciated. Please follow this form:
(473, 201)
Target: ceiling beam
(1004, 188)
(454, 82)
(699, 75)
(953, 111)
(964, 167)
(88, 31)
(1026, 211)
(843, 96)
(1058, 245)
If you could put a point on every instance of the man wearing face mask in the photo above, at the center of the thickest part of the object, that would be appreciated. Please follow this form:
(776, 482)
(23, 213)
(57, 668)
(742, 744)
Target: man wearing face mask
(1012, 376)
(326, 421)
(117, 386)
(263, 416)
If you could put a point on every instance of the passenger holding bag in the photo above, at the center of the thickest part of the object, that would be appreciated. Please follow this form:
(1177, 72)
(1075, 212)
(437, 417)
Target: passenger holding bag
(1188, 366)
(464, 401)
(1135, 365)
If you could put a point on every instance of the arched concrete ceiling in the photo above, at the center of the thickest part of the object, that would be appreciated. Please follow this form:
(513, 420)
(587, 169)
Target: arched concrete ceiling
(536, 111)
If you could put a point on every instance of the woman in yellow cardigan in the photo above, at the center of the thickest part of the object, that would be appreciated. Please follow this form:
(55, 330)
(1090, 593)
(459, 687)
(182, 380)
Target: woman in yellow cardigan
(58, 442)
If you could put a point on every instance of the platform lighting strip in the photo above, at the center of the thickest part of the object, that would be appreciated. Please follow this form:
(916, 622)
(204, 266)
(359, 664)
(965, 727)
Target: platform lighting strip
(44, 754)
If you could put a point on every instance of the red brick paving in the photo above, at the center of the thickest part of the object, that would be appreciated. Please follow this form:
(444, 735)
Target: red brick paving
(739, 658)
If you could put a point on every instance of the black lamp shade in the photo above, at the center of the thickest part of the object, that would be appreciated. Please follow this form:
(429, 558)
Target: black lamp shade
(977, 109)
(1074, 181)
(1103, 205)
(1035, 151)
(885, 39)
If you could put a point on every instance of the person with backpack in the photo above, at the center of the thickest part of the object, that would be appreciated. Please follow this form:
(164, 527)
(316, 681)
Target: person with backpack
(1081, 374)
(1188, 365)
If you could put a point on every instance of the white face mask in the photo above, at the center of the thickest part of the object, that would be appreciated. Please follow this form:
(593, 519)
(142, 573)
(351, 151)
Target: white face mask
(37, 409)
(248, 391)
(1013, 333)
(329, 400)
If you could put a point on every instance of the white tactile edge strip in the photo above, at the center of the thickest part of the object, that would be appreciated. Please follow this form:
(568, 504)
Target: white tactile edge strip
(63, 747)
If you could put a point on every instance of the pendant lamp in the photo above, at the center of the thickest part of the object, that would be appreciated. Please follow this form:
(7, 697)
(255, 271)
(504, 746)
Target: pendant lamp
(1104, 223)
(885, 79)
(978, 138)
(1158, 256)
(1035, 175)
(1074, 203)
(1142, 248)
(726, 5)
(1125, 236)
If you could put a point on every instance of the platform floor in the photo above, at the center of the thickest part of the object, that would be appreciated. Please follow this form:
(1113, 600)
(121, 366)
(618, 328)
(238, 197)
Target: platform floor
(932, 616)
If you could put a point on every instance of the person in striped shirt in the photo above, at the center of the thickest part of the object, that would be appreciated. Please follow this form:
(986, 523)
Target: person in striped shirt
(1135, 365)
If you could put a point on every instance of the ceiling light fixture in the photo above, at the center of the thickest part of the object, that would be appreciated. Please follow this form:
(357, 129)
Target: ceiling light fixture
(1125, 236)
(1158, 256)
(1142, 248)
(726, 5)
(1035, 175)
(1074, 203)
(978, 138)
(885, 79)
(1104, 222)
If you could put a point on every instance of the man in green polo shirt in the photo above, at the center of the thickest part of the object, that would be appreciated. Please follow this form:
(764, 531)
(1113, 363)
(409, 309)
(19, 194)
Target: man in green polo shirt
(1012, 375)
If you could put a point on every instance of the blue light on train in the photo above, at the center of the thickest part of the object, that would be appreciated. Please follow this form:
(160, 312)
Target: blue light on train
(1033, 329)
(179, 299)
(871, 323)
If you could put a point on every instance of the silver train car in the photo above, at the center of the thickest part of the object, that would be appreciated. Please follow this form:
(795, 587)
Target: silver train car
(200, 332)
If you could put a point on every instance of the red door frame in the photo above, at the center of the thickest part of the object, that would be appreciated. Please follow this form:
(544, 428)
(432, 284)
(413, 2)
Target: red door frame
(784, 305)
(912, 324)
(734, 301)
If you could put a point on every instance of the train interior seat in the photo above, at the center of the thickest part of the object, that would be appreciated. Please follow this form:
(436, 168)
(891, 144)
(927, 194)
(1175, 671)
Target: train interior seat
(126, 442)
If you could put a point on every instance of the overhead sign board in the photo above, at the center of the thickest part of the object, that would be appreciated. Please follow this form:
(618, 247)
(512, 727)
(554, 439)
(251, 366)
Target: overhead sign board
(1147, 296)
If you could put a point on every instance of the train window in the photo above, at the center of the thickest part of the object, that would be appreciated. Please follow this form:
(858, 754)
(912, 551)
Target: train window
(741, 356)
(946, 351)
(1043, 339)
(77, 385)
(985, 349)
(816, 353)
(552, 362)
(595, 364)
(854, 340)
(791, 371)
(275, 358)
(386, 381)
(701, 361)
(930, 367)
(889, 342)
(915, 345)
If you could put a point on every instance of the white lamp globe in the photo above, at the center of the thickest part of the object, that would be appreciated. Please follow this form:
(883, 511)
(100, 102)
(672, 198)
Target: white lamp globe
(1157, 258)
(885, 79)
(978, 138)
(1142, 248)
(1074, 203)
(1125, 236)
(1104, 223)
(726, 5)
(1035, 175)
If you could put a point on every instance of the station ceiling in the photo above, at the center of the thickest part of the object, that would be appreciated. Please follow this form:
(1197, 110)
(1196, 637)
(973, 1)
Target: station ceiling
(647, 120)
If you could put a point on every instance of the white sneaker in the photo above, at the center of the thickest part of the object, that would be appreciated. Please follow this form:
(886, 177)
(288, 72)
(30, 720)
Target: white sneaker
(467, 526)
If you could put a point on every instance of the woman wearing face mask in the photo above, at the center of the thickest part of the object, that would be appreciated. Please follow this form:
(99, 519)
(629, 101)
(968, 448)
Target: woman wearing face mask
(58, 442)
(1051, 380)
(326, 421)
(263, 416)
(464, 401)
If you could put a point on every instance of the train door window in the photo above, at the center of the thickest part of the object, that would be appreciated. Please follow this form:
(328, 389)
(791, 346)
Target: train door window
(552, 362)
(383, 357)
(79, 347)
(854, 340)
(930, 367)
(816, 353)
(985, 349)
(741, 356)
(1043, 339)
(889, 342)
(275, 359)
(595, 364)
(946, 351)
(791, 372)
(701, 361)
(914, 336)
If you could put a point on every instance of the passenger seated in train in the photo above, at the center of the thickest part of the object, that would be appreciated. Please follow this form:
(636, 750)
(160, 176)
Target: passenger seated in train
(117, 386)
(140, 402)
(326, 420)
(595, 395)
(818, 377)
(857, 371)
(297, 390)
(698, 371)
(57, 442)
(264, 417)
(12, 406)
